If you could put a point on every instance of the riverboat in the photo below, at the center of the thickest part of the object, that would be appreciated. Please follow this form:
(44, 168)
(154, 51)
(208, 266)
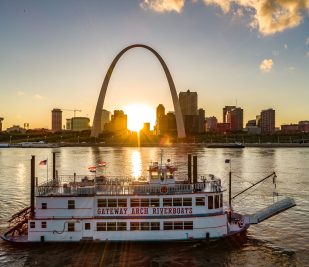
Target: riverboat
(161, 208)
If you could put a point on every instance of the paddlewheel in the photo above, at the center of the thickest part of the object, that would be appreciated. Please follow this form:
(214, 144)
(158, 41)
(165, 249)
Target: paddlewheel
(18, 224)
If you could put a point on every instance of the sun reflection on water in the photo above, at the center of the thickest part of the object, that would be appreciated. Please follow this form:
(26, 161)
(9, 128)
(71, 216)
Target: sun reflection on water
(136, 164)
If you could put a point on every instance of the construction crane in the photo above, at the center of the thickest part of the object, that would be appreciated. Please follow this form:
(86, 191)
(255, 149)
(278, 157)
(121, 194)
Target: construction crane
(74, 110)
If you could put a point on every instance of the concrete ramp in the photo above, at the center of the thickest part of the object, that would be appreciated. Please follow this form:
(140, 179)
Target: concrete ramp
(270, 211)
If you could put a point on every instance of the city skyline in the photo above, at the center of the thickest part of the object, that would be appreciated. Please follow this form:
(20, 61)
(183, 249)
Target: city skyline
(55, 55)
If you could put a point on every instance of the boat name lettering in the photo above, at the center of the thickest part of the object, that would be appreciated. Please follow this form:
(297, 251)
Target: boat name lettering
(143, 211)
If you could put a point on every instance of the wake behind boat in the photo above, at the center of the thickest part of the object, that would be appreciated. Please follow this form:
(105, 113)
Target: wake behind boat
(100, 208)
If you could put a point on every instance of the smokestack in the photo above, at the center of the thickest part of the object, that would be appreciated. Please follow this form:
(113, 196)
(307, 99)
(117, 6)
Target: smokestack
(194, 169)
(54, 165)
(32, 178)
(190, 168)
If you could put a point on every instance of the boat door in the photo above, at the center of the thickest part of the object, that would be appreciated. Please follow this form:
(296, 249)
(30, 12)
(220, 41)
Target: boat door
(88, 230)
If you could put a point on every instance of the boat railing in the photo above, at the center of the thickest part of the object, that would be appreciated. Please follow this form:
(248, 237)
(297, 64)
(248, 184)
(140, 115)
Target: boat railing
(120, 186)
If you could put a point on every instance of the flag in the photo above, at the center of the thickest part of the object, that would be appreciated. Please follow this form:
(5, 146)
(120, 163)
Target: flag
(92, 168)
(227, 161)
(43, 162)
(102, 164)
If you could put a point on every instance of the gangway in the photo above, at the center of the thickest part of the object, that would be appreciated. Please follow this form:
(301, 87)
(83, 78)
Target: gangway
(270, 211)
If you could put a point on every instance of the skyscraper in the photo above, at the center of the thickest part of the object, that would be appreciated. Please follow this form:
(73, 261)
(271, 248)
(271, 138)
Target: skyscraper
(225, 110)
(235, 117)
(56, 120)
(267, 121)
(105, 118)
(201, 121)
(118, 123)
(188, 103)
(1, 119)
(160, 112)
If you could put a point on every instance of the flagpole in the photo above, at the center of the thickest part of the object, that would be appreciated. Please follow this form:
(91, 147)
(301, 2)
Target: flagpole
(47, 170)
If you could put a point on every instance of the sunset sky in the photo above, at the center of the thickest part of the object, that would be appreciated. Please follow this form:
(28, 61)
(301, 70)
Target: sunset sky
(54, 54)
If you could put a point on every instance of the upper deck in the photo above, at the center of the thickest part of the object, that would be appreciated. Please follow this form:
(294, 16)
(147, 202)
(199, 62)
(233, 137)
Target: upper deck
(78, 185)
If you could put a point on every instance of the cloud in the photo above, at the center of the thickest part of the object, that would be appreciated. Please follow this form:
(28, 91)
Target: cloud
(307, 41)
(225, 5)
(38, 96)
(285, 46)
(266, 65)
(268, 16)
(307, 54)
(20, 93)
(163, 5)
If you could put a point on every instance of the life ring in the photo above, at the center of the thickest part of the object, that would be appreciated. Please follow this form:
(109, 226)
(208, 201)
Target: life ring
(241, 223)
(164, 189)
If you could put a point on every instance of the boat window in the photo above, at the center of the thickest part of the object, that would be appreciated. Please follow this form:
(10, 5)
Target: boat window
(221, 200)
(71, 227)
(162, 175)
(216, 201)
(145, 226)
(111, 226)
(187, 201)
(177, 202)
(178, 225)
(155, 226)
(135, 202)
(121, 226)
(122, 202)
(32, 224)
(102, 203)
(200, 201)
(44, 206)
(167, 202)
(101, 226)
(155, 202)
(134, 226)
(210, 202)
(170, 175)
(154, 175)
(87, 226)
(168, 225)
(188, 225)
(43, 224)
(71, 204)
(145, 202)
(112, 203)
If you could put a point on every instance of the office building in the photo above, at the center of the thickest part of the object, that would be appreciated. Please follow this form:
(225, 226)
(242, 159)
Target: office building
(188, 103)
(267, 121)
(289, 128)
(211, 124)
(118, 123)
(234, 117)
(79, 124)
(56, 120)
(226, 109)
(167, 124)
(160, 112)
(303, 126)
(201, 121)
(1, 119)
(105, 118)
(68, 124)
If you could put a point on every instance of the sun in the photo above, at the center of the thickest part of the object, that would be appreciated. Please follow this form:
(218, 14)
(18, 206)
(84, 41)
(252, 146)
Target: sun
(138, 114)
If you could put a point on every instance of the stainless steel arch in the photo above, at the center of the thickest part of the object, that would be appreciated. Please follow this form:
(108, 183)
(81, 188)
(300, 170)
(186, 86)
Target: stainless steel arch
(96, 127)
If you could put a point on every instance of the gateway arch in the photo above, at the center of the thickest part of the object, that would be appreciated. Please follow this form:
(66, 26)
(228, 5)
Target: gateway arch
(96, 127)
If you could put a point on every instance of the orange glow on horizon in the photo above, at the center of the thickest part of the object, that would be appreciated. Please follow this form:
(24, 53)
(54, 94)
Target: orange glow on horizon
(138, 114)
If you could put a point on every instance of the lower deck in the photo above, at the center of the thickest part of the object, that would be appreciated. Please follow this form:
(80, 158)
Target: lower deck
(164, 229)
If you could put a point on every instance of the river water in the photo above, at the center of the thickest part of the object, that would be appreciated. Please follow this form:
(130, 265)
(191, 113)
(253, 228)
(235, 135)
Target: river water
(279, 241)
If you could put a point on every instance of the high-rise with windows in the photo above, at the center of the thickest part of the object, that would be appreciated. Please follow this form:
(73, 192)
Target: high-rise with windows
(56, 120)
(268, 121)
(188, 103)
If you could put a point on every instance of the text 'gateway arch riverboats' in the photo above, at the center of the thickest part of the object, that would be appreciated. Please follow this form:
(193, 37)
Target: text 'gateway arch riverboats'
(101, 208)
